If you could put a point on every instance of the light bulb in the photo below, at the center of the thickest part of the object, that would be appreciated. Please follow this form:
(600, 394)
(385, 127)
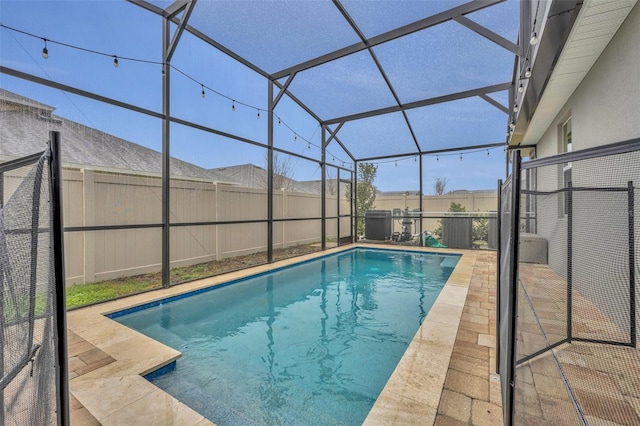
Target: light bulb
(527, 73)
(520, 88)
(258, 116)
(295, 138)
(45, 51)
(203, 94)
(515, 108)
(309, 147)
(534, 38)
(233, 105)
(115, 62)
(437, 158)
(396, 163)
(487, 153)
(460, 157)
(279, 122)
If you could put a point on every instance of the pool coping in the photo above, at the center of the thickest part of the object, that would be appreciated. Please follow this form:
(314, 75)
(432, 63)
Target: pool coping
(117, 392)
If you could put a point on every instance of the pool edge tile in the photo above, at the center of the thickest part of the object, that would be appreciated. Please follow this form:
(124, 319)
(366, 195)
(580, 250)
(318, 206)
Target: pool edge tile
(395, 402)
(402, 399)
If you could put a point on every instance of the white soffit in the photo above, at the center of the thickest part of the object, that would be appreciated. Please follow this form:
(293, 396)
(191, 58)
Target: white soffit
(595, 26)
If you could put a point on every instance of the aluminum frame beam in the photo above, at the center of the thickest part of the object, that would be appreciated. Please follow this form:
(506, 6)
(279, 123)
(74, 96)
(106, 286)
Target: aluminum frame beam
(176, 8)
(422, 103)
(50, 83)
(431, 152)
(456, 13)
(488, 34)
(334, 136)
(283, 89)
(495, 103)
(419, 25)
(373, 55)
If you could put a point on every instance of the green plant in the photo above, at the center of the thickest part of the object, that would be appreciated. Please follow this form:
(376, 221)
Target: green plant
(480, 226)
(453, 208)
(366, 192)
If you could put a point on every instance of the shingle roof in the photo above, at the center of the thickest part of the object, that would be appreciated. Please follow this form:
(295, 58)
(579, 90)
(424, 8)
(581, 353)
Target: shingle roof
(252, 176)
(25, 130)
(8, 97)
(25, 125)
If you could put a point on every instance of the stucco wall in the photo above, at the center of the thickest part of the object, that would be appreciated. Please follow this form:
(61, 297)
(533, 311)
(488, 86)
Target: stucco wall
(605, 108)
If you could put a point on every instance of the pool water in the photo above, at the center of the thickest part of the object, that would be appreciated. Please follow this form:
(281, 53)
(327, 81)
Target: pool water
(310, 344)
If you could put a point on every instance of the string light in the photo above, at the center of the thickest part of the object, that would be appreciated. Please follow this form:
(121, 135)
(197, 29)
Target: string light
(488, 153)
(45, 55)
(295, 138)
(396, 164)
(437, 158)
(534, 38)
(520, 88)
(415, 159)
(527, 72)
(45, 51)
(515, 108)
(460, 157)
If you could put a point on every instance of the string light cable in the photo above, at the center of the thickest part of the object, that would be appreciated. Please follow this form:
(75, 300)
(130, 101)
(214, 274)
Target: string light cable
(117, 59)
(438, 155)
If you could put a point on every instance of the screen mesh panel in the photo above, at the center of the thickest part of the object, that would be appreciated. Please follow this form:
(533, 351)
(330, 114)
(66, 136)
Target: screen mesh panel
(505, 308)
(28, 391)
(576, 351)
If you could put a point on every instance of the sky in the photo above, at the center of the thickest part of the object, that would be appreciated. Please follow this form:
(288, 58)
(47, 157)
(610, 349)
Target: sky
(114, 27)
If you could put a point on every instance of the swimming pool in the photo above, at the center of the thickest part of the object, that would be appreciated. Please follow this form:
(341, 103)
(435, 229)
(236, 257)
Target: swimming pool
(313, 343)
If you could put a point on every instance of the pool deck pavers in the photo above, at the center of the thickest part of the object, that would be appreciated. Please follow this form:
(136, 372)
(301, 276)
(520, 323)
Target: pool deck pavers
(445, 377)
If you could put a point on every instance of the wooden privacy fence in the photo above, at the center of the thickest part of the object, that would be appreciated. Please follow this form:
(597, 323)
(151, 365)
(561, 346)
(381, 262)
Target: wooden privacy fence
(94, 198)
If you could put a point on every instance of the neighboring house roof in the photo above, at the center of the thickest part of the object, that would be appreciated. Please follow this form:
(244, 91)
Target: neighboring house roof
(24, 130)
(315, 186)
(252, 176)
(9, 98)
(397, 193)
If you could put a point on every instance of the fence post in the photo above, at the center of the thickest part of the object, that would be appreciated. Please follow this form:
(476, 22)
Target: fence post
(88, 219)
(569, 204)
(55, 165)
(498, 254)
(513, 294)
(632, 263)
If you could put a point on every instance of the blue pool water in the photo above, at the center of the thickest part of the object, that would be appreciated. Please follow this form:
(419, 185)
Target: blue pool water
(310, 344)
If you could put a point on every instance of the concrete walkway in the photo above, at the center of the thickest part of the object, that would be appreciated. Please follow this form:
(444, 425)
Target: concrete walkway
(471, 394)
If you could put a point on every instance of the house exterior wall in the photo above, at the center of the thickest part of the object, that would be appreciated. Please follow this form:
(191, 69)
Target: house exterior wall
(604, 109)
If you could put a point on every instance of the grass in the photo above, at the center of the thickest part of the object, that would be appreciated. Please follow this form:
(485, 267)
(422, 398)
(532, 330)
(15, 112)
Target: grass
(87, 294)
(19, 307)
